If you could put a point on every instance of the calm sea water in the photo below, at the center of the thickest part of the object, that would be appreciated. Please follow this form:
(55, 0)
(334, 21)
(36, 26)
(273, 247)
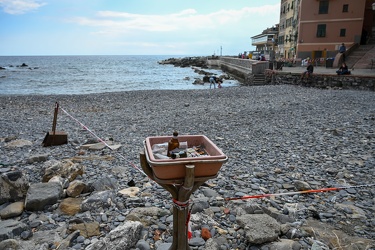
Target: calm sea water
(93, 74)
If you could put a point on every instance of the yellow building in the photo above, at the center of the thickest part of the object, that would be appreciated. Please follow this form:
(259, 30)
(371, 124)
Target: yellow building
(288, 31)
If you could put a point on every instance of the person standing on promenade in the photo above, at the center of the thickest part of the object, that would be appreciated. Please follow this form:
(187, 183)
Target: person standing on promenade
(342, 50)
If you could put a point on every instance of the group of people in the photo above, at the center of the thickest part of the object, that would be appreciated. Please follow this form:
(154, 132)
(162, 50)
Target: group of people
(343, 70)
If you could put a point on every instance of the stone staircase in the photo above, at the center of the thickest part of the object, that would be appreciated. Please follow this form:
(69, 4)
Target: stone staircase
(362, 56)
(259, 79)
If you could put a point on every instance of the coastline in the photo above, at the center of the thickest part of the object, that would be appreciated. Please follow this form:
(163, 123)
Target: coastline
(273, 136)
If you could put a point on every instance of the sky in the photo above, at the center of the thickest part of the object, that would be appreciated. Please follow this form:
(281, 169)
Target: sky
(133, 27)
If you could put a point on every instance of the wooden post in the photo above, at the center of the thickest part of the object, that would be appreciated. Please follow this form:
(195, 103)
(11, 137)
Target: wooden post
(180, 192)
(183, 197)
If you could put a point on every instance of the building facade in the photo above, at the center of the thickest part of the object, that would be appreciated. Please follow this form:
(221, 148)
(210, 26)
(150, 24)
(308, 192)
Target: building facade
(323, 25)
(317, 28)
(266, 42)
(288, 31)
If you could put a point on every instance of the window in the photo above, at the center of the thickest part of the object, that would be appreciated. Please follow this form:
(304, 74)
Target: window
(345, 8)
(323, 7)
(321, 32)
(342, 32)
(288, 22)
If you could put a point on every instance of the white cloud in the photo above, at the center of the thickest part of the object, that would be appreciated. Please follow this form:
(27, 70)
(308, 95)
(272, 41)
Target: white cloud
(17, 7)
(185, 32)
(112, 22)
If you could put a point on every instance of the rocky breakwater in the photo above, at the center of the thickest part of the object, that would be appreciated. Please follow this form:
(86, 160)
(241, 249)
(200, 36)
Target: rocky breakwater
(279, 139)
(199, 61)
(198, 64)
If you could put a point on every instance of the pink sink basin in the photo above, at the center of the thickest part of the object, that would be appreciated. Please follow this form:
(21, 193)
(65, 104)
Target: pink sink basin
(170, 169)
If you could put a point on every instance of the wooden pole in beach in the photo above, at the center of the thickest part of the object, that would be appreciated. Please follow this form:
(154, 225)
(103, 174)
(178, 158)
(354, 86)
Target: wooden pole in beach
(180, 191)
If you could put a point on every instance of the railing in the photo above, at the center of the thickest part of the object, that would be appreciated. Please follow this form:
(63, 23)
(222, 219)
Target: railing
(340, 57)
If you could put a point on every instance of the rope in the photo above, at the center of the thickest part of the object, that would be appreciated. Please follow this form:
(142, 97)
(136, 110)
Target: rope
(101, 140)
(298, 192)
(187, 224)
(181, 205)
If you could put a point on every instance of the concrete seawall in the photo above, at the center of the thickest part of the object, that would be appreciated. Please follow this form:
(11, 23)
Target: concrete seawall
(325, 81)
(239, 68)
(244, 71)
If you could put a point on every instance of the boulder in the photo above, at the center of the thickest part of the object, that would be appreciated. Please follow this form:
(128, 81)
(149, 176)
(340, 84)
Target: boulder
(334, 238)
(12, 210)
(71, 206)
(9, 244)
(284, 244)
(41, 194)
(131, 192)
(13, 186)
(98, 200)
(105, 183)
(125, 236)
(260, 228)
(18, 143)
(86, 229)
(301, 185)
(66, 169)
(75, 188)
(10, 229)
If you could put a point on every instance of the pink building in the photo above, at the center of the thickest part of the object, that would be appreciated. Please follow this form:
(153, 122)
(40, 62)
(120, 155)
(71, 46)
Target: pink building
(323, 25)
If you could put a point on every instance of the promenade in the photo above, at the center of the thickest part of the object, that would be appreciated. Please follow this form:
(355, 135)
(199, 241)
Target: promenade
(329, 71)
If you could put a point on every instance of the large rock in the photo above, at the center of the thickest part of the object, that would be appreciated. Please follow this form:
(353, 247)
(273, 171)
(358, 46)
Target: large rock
(75, 188)
(11, 228)
(86, 229)
(13, 186)
(18, 143)
(284, 244)
(334, 238)
(71, 206)
(12, 210)
(260, 228)
(9, 244)
(186, 62)
(98, 200)
(143, 214)
(124, 237)
(66, 169)
(105, 183)
(211, 245)
(41, 194)
(44, 238)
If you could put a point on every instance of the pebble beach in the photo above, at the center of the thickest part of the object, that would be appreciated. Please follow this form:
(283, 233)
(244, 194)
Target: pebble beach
(275, 137)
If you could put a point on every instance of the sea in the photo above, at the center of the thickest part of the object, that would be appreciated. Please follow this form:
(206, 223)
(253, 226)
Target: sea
(70, 75)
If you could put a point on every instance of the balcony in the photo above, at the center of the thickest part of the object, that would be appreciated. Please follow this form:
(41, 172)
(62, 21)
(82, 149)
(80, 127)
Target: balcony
(262, 40)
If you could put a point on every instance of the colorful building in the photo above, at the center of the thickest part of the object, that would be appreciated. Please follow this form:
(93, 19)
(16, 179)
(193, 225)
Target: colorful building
(288, 31)
(265, 42)
(317, 28)
(323, 25)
